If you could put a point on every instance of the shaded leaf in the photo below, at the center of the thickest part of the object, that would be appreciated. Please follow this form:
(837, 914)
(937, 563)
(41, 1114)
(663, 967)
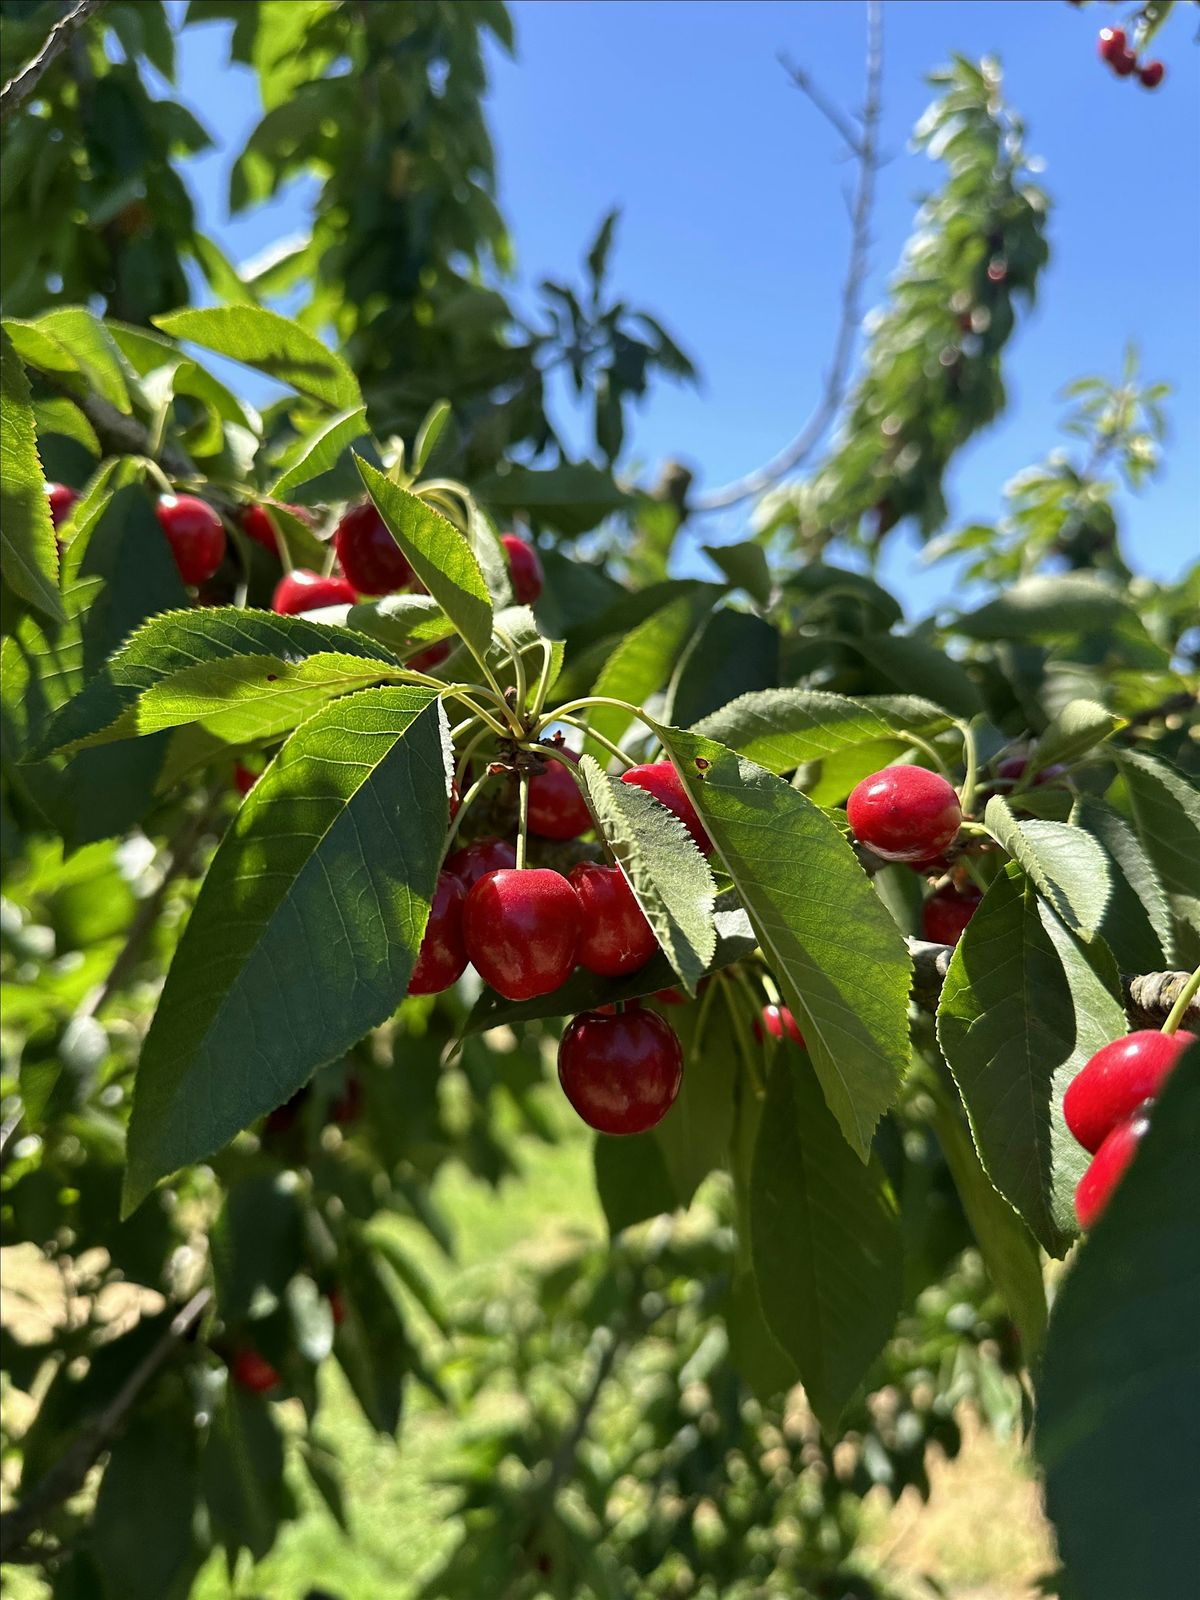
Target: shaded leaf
(1065, 863)
(1137, 919)
(1079, 727)
(1166, 812)
(745, 565)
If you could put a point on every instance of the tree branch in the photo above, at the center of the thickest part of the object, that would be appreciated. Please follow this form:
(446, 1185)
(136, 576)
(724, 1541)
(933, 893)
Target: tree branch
(18, 89)
(1148, 996)
(119, 434)
(66, 1477)
(865, 148)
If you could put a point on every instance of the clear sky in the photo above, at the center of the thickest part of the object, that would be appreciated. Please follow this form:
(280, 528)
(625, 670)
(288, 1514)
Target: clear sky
(734, 227)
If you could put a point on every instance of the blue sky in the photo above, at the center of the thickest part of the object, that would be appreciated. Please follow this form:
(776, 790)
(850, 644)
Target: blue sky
(734, 228)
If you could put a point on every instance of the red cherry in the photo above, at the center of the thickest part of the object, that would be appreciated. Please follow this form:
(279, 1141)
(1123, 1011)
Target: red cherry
(195, 534)
(524, 568)
(557, 809)
(1124, 64)
(303, 590)
(371, 559)
(670, 997)
(622, 1072)
(243, 779)
(476, 860)
(1116, 1081)
(945, 914)
(522, 931)
(1107, 1167)
(904, 813)
(616, 937)
(660, 779)
(337, 1307)
(1152, 74)
(426, 660)
(61, 500)
(251, 1371)
(1013, 767)
(442, 958)
(1111, 44)
(778, 1020)
(256, 524)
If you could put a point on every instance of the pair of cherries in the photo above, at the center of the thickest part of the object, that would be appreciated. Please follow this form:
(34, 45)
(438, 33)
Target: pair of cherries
(1107, 1107)
(1114, 49)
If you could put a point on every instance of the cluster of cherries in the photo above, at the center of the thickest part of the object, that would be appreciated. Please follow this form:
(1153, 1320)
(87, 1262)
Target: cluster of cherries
(1107, 1107)
(1114, 49)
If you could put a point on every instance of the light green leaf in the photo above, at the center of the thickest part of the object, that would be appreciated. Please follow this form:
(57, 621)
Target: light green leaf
(179, 640)
(584, 991)
(272, 344)
(642, 663)
(439, 555)
(401, 621)
(825, 1241)
(745, 565)
(1023, 1007)
(836, 952)
(1066, 864)
(1166, 812)
(520, 626)
(429, 433)
(58, 415)
(1119, 1389)
(28, 554)
(1137, 923)
(321, 452)
(669, 877)
(93, 350)
(1005, 1243)
(1079, 727)
(305, 930)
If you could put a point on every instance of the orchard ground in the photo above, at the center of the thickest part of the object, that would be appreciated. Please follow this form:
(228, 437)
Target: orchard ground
(982, 1534)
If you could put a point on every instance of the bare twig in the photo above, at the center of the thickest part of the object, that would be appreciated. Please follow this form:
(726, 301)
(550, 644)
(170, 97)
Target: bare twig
(832, 113)
(1149, 996)
(864, 146)
(66, 1477)
(18, 89)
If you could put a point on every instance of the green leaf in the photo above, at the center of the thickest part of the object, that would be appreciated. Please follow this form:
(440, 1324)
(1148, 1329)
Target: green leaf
(1023, 1007)
(242, 1474)
(272, 344)
(321, 452)
(28, 554)
(825, 1241)
(177, 641)
(782, 729)
(324, 1469)
(695, 1135)
(745, 565)
(670, 879)
(1137, 919)
(1047, 608)
(833, 946)
(1079, 727)
(573, 497)
(1119, 1390)
(429, 433)
(583, 990)
(1066, 864)
(56, 414)
(371, 1346)
(1166, 812)
(256, 1244)
(154, 1462)
(642, 662)
(305, 930)
(439, 555)
(401, 621)
(921, 669)
(632, 1180)
(1005, 1243)
(93, 350)
(521, 627)
(733, 653)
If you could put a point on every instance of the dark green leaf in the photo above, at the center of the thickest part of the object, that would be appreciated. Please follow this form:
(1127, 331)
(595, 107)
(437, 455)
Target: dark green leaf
(242, 1474)
(734, 653)
(256, 1244)
(1047, 608)
(573, 497)
(745, 565)
(1137, 919)
(632, 1180)
(1166, 812)
(153, 1463)
(1079, 727)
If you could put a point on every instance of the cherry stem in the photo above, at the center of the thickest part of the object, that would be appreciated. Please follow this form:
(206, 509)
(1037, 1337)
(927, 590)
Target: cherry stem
(593, 700)
(159, 476)
(543, 684)
(743, 1035)
(967, 793)
(518, 666)
(599, 738)
(460, 771)
(927, 749)
(523, 819)
(973, 872)
(1186, 995)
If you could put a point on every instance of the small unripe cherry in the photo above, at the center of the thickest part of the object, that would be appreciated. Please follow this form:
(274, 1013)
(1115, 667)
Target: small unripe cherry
(660, 779)
(1117, 1079)
(524, 568)
(1152, 74)
(256, 524)
(475, 860)
(61, 499)
(670, 997)
(1107, 1167)
(371, 559)
(621, 1072)
(904, 813)
(442, 958)
(195, 533)
(557, 809)
(251, 1371)
(1013, 767)
(305, 590)
(779, 1023)
(945, 915)
(615, 937)
(522, 931)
